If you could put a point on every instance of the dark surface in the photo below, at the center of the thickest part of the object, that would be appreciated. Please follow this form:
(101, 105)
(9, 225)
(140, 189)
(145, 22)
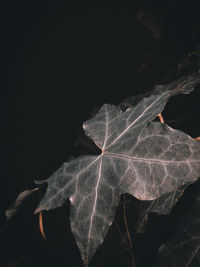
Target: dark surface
(59, 64)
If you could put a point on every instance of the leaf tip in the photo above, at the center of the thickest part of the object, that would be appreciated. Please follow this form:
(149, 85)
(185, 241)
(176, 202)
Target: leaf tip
(38, 209)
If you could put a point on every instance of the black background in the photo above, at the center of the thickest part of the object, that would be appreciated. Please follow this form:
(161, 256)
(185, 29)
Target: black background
(61, 62)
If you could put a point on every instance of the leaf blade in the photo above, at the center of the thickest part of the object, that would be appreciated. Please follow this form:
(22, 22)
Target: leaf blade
(62, 183)
(162, 165)
(146, 160)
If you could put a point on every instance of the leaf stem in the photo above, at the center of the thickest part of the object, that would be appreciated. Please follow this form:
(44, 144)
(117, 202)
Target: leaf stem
(161, 118)
(128, 233)
(41, 226)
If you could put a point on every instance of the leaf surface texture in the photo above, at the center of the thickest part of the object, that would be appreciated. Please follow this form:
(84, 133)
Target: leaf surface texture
(143, 158)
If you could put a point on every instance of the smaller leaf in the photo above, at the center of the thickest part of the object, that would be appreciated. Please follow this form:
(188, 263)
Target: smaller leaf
(165, 203)
(183, 85)
(163, 206)
(183, 248)
(20, 202)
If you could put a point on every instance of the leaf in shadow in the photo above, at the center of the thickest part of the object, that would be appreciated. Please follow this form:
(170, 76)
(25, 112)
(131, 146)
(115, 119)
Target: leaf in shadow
(183, 248)
(163, 206)
(24, 200)
(183, 85)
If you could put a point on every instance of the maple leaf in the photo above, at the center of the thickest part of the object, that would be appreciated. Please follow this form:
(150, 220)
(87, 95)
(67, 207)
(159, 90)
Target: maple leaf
(143, 158)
